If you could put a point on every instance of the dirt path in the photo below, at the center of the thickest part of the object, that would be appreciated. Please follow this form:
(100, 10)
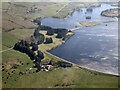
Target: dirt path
(6, 50)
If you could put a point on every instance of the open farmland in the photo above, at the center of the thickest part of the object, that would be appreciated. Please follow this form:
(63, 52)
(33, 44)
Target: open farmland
(19, 71)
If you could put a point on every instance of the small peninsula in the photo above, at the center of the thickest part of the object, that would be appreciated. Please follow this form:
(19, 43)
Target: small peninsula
(110, 12)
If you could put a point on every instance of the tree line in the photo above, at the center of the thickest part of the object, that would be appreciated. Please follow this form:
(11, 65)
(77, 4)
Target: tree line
(50, 31)
(24, 47)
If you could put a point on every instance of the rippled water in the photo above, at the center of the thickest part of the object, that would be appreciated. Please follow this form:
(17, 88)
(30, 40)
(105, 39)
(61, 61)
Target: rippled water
(94, 47)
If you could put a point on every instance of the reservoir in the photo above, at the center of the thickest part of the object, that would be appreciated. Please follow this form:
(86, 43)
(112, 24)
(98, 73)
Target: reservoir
(94, 47)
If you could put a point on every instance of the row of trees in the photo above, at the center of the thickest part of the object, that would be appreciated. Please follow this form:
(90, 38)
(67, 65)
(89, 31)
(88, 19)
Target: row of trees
(60, 32)
(39, 37)
(23, 47)
(48, 40)
(37, 62)
(34, 47)
(60, 64)
(50, 31)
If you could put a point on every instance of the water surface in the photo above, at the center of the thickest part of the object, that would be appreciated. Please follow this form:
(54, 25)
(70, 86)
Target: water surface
(94, 47)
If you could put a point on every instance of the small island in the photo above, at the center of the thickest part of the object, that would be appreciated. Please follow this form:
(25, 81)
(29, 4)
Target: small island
(91, 23)
(110, 12)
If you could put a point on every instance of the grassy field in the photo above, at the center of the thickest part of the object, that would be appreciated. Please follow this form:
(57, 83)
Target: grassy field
(74, 77)
(12, 57)
(62, 77)
(14, 16)
(53, 8)
(22, 34)
(8, 40)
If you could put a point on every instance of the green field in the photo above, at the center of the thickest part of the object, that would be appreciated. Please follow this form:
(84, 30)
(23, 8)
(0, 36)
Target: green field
(12, 57)
(74, 77)
(8, 40)
(22, 34)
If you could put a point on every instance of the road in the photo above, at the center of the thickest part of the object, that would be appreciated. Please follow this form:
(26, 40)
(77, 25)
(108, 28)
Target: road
(61, 8)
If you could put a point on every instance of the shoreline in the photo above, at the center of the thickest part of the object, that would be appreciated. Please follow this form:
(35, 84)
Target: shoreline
(95, 72)
(76, 65)
(61, 42)
(83, 68)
